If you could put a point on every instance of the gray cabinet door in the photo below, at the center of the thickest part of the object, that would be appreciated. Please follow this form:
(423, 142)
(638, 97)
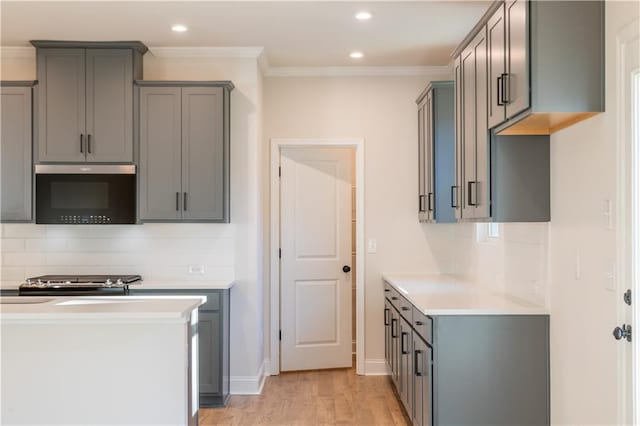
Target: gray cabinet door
(160, 153)
(406, 366)
(395, 347)
(474, 128)
(518, 82)
(387, 333)
(458, 189)
(109, 105)
(421, 164)
(422, 382)
(496, 48)
(61, 112)
(209, 351)
(429, 157)
(15, 144)
(203, 160)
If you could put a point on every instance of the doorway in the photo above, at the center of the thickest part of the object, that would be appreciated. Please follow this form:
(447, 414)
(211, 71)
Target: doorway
(628, 127)
(311, 269)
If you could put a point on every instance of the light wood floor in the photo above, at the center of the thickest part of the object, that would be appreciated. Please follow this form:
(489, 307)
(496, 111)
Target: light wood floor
(328, 397)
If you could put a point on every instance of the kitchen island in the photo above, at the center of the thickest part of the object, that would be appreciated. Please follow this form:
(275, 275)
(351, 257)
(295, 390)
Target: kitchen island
(99, 360)
(461, 354)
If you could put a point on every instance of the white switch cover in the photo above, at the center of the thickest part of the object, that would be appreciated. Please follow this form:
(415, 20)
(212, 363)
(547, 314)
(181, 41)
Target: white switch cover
(608, 214)
(372, 246)
(196, 269)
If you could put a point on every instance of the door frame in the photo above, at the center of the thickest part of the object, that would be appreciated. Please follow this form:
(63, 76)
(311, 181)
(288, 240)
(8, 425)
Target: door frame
(626, 194)
(277, 144)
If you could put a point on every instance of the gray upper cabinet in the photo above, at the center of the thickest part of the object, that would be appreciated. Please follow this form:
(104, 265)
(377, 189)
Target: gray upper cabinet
(184, 151)
(436, 149)
(85, 111)
(546, 64)
(16, 145)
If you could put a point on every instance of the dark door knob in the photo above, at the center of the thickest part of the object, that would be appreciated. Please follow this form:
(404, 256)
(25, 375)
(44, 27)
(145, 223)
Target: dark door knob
(346, 268)
(622, 333)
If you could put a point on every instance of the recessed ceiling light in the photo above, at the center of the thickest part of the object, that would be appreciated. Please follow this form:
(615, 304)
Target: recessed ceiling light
(179, 28)
(363, 16)
(356, 55)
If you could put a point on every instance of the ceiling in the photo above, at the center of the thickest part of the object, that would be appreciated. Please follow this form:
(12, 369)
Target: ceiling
(293, 33)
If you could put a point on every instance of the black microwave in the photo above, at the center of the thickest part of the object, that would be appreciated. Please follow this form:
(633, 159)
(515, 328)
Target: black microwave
(85, 194)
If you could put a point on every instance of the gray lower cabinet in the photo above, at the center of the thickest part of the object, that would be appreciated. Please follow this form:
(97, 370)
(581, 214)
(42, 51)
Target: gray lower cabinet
(16, 151)
(184, 151)
(213, 343)
(85, 108)
(436, 153)
(464, 370)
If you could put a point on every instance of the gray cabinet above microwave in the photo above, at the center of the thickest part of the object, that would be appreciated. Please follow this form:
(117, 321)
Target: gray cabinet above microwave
(85, 106)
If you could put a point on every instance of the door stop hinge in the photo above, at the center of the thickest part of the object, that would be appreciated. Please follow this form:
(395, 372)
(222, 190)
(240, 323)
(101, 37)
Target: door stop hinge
(627, 297)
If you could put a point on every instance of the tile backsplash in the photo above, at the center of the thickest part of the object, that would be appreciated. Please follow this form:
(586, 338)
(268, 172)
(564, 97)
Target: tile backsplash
(158, 252)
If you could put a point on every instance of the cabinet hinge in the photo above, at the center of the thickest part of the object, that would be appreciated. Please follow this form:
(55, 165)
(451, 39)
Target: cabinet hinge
(279, 171)
(279, 334)
(280, 253)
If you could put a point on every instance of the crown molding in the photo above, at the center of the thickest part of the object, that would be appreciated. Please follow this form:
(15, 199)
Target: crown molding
(206, 52)
(17, 52)
(357, 71)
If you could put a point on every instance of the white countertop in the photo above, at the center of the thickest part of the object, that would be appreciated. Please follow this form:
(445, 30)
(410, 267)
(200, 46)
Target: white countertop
(154, 285)
(450, 295)
(103, 309)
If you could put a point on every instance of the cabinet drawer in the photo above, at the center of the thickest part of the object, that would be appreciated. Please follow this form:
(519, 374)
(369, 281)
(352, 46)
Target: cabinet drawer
(423, 325)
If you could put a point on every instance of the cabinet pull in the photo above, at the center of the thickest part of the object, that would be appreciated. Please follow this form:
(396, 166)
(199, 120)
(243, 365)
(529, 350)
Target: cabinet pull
(404, 308)
(415, 362)
(419, 323)
(81, 144)
(421, 203)
(430, 203)
(394, 298)
(386, 290)
(177, 201)
(394, 331)
(499, 87)
(89, 144)
(402, 336)
(184, 202)
(471, 190)
(505, 83)
(386, 316)
(454, 191)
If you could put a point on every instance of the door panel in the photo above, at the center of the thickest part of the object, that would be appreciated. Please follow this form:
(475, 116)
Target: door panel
(517, 25)
(316, 243)
(458, 190)
(468, 110)
(15, 154)
(202, 153)
(208, 351)
(429, 160)
(160, 153)
(61, 113)
(481, 188)
(109, 105)
(495, 83)
(421, 164)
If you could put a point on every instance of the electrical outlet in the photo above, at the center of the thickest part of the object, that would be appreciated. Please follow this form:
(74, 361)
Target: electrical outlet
(196, 269)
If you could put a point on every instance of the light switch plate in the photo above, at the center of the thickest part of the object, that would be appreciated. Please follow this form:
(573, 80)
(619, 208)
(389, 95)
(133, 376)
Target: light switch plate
(372, 246)
(196, 269)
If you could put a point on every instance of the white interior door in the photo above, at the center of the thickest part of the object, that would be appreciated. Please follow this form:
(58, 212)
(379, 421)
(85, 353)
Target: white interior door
(315, 239)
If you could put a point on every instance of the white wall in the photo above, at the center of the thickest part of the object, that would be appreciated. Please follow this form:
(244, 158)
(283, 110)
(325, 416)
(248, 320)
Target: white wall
(381, 110)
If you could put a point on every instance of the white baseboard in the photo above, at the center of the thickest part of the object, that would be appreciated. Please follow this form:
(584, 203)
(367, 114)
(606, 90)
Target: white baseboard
(375, 367)
(249, 385)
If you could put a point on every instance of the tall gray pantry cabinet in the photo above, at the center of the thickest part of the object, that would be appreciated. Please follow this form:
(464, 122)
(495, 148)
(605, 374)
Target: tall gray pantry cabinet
(16, 150)
(184, 151)
(85, 108)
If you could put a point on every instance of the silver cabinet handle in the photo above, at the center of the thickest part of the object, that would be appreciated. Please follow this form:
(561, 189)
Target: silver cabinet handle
(472, 189)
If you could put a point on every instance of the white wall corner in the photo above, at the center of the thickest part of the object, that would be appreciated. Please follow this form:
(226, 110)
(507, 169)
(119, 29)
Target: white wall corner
(206, 52)
(249, 385)
(263, 63)
(375, 367)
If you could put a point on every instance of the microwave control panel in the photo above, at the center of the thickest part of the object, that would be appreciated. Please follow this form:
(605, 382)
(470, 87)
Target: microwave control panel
(85, 219)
